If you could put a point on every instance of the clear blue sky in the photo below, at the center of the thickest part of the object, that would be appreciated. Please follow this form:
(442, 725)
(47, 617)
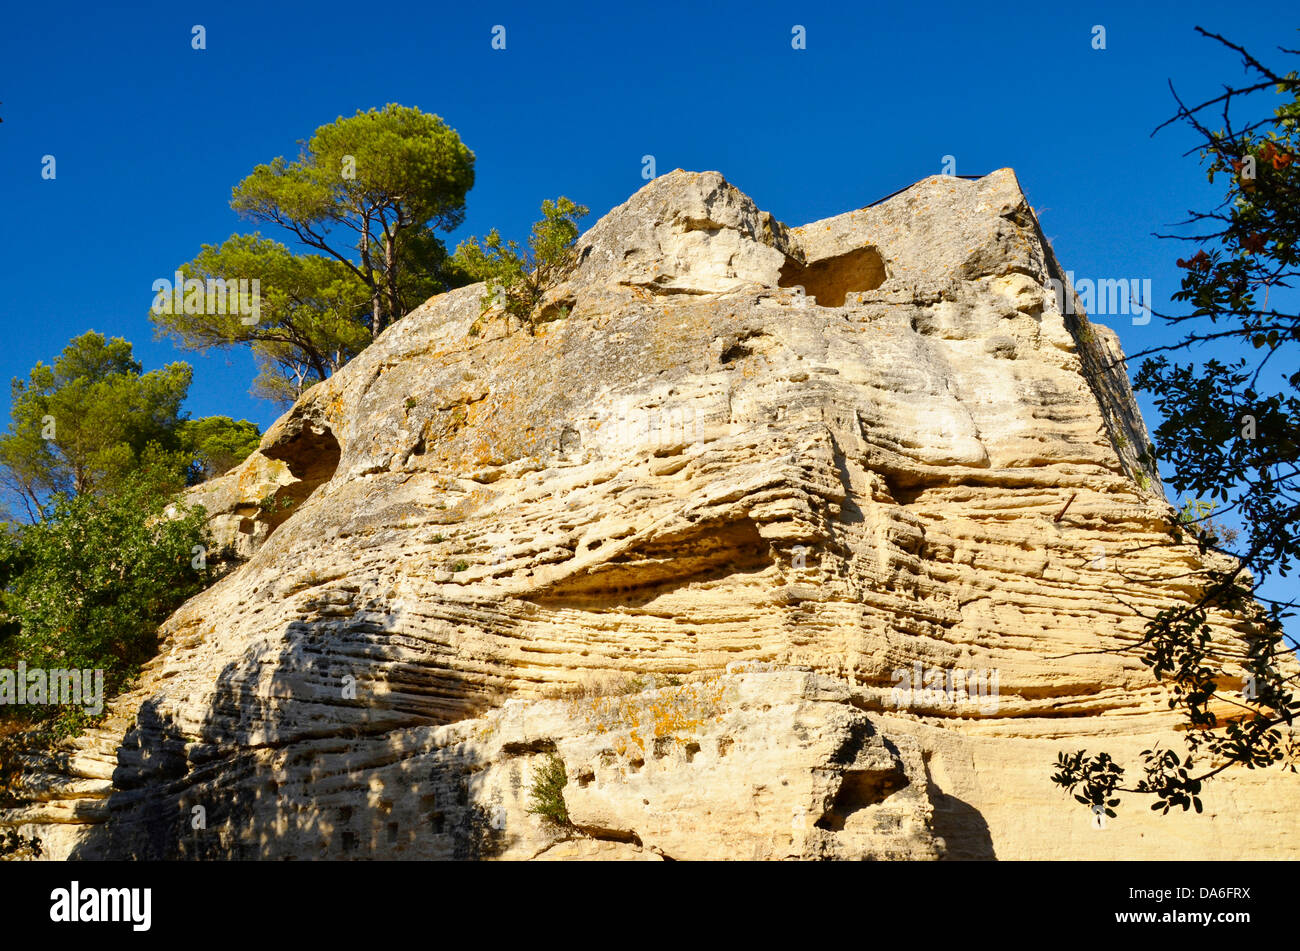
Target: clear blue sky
(149, 135)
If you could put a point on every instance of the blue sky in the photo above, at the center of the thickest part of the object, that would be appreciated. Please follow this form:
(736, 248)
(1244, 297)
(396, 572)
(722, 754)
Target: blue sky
(150, 135)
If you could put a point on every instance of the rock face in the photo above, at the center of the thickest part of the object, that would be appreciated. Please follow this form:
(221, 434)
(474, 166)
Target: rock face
(784, 542)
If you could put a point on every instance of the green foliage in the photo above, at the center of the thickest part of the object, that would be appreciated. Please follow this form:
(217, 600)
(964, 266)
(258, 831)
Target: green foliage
(88, 420)
(378, 184)
(86, 423)
(1196, 516)
(270, 504)
(1252, 252)
(546, 794)
(1229, 436)
(310, 314)
(216, 444)
(97, 450)
(517, 279)
(87, 586)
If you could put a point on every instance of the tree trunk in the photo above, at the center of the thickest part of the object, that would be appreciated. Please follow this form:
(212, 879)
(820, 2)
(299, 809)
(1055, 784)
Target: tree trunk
(376, 310)
(317, 363)
(390, 276)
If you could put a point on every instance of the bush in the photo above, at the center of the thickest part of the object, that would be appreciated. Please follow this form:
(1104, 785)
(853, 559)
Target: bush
(87, 587)
(546, 795)
(516, 279)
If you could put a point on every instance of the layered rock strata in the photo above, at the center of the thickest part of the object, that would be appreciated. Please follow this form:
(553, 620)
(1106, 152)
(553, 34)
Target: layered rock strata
(786, 542)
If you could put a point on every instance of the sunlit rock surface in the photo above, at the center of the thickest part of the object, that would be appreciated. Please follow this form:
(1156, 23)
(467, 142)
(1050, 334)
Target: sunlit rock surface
(695, 537)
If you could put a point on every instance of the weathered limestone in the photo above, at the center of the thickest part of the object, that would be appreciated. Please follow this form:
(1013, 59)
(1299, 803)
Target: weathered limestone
(762, 469)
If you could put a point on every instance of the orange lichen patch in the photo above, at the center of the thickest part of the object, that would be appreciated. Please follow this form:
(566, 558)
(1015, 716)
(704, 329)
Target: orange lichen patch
(676, 712)
(247, 478)
(258, 477)
(474, 500)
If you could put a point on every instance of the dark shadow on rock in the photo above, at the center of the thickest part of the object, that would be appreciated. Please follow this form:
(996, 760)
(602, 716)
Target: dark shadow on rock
(706, 551)
(300, 768)
(962, 828)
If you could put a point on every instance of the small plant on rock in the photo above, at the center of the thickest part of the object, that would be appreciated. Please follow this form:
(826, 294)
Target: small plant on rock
(517, 278)
(546, 795)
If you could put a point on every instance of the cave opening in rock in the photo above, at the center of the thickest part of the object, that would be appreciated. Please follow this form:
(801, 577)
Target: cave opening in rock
(831, 279)
(312, 454)
(858, 790)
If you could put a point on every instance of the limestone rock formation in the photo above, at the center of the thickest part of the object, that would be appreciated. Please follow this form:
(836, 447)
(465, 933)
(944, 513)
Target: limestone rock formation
(706, 537)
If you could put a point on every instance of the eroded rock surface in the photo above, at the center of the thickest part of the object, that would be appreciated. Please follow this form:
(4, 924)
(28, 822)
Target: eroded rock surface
(748, 472)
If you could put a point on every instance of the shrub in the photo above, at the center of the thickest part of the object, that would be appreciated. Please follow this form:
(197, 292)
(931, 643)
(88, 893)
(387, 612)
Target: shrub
(87, 587)
(516, 279)
(546, 795)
